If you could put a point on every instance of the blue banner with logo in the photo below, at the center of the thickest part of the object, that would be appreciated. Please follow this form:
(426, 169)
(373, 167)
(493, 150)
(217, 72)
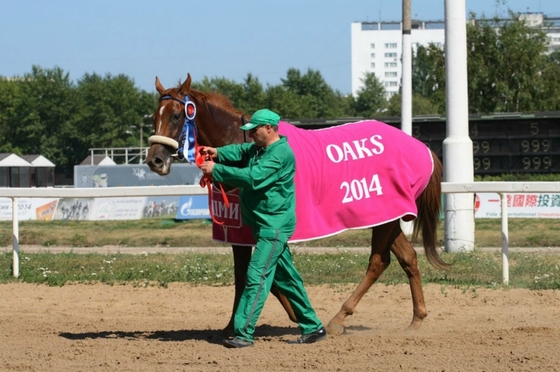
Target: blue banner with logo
(193, 207)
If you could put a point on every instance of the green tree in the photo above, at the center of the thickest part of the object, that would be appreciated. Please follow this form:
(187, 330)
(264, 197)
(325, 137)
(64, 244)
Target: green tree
(316, 98)
(111, 111)
(555, 57)
(227, 87)
(45, 103)
(298, 96)
(10, 101)
(285, 102)
(248, 96)
(253, 97)
(549, 99)
(420, 105)
(506, 64)
(370, 97)
(428, 75)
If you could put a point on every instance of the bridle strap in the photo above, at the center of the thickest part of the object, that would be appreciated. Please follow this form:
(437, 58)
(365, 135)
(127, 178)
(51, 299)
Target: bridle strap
(188, 131)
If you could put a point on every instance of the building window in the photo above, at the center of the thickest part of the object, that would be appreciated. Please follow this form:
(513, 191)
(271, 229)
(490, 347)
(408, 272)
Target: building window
(391, 45)
(390, 64)
(390, 83)
(391, 74)
(390, 55)
(372, 65)
(4, 177)
(42, 177)
(372, 45)
(372, 55)
(24, 177)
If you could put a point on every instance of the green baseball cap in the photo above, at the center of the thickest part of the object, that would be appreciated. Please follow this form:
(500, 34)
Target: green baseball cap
(262, 117)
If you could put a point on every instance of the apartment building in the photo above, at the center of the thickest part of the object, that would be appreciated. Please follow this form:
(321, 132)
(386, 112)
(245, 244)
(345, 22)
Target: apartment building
(377, 46)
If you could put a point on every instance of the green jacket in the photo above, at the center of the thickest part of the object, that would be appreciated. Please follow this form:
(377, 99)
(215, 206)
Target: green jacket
(266, 180)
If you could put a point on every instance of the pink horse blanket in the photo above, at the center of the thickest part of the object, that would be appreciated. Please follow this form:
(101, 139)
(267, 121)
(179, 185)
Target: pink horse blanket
(351, 176)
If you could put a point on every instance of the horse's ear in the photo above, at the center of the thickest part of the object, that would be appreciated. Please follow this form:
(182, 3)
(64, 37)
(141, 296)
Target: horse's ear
(186, 86)
(159, 87)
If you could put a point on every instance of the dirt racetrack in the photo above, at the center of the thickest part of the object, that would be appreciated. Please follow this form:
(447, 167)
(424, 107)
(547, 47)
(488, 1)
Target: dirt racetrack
(122, 328)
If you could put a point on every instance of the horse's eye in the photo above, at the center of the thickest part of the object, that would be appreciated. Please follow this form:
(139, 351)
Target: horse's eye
(176, 116)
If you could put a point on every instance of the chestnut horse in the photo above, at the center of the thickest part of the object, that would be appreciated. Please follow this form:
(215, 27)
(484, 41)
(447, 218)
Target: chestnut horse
(218, 122)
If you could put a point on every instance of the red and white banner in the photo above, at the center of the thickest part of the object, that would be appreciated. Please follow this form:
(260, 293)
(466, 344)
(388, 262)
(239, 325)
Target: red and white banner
(525, 205)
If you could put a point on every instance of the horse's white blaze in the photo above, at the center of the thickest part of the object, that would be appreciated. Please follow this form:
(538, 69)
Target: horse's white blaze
(160, 115)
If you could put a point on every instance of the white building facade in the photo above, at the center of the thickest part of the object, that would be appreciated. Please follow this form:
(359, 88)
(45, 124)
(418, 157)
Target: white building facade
(377, 46)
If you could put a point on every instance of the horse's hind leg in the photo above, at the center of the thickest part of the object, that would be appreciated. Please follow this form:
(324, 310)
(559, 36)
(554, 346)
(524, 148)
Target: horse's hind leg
(382, 238)
(407, 257)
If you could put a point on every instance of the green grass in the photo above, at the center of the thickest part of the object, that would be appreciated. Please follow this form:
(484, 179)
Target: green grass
(474, 269)
(523, 232)
(527, 270)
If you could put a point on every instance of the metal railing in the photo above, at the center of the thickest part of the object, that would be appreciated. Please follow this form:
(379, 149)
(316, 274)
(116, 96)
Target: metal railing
(502, 188)
(120, 155)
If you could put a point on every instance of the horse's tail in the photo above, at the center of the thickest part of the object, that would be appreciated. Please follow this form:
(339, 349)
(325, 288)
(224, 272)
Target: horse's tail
(429, 209)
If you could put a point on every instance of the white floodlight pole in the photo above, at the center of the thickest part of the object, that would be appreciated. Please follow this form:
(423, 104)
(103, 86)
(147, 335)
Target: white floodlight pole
(457, 146)
(406, 86)
(406, 97)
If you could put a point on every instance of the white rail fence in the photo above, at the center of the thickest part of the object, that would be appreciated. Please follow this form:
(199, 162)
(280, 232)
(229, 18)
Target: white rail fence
(502, 188)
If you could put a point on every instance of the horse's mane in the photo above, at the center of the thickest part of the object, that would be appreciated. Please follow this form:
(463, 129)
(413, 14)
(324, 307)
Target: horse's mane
(222, 101)
(212, 98)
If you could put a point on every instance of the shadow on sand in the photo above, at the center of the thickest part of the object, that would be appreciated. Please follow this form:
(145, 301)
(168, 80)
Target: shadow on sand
(212, 336)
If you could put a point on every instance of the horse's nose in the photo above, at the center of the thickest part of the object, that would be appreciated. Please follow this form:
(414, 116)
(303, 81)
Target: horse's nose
(155, 162)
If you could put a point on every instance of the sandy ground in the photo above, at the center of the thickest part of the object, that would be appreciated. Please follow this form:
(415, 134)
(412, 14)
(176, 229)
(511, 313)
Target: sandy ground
(123, 328)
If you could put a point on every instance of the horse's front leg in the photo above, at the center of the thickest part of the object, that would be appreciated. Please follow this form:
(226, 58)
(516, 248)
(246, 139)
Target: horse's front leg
(241, 258)
(380, 258)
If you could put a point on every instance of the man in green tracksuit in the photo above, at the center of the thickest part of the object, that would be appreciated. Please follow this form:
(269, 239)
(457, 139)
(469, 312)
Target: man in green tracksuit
(267, 197)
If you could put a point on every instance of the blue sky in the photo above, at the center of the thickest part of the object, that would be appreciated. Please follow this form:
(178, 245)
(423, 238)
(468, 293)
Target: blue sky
(214, 38)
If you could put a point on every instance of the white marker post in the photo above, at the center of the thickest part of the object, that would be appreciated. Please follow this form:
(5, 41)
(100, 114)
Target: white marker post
(15, 238)
(457, 146)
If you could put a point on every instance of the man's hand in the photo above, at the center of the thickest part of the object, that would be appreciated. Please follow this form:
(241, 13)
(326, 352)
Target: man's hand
(207, 167)
(209, 152)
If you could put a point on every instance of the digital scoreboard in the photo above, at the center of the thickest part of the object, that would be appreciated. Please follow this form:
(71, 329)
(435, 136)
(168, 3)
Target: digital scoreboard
(520, 145)
(506, 143)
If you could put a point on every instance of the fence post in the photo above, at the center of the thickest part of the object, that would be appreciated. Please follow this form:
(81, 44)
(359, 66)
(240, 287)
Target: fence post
(505, 240)
(15, 237)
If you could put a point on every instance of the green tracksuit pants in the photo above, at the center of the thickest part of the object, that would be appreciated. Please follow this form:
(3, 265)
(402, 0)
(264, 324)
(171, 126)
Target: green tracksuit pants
(271, 262)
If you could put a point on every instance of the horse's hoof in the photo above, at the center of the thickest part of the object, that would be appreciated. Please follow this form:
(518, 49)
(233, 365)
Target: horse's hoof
(414, 325)
(334, 329)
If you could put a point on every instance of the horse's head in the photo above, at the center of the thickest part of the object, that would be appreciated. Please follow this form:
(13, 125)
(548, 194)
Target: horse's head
(217, 123)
